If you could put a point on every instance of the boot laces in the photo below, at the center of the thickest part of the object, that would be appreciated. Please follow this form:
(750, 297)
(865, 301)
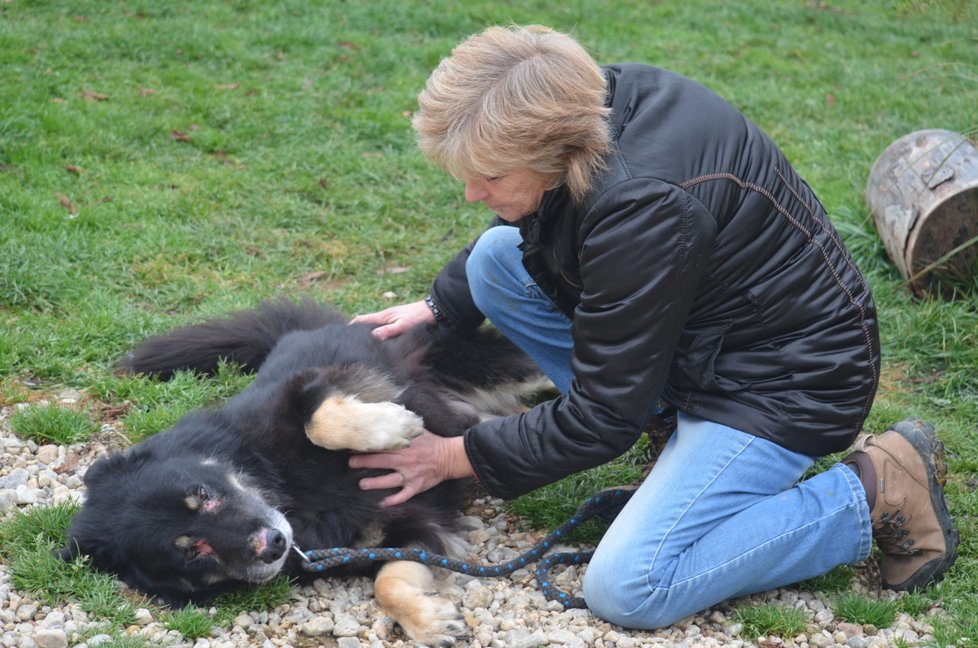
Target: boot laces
(890, 535)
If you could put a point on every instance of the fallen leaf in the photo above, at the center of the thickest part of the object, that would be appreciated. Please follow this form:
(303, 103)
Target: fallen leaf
(113, 412)
(145, 92)
(74, 168)
(309, 279)
(324, 183)
(396, 269)
(179, 136)
(91, 95)
(228, 86)
(830, 100)
(67, 204)
(57, 100)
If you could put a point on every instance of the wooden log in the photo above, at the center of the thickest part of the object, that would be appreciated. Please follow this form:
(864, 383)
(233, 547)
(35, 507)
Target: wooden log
(923, 194)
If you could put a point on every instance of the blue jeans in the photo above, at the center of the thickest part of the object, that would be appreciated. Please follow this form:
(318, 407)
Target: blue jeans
(722, 513)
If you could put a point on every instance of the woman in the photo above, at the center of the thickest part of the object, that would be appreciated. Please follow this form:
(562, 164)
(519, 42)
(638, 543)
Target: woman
(652, 247)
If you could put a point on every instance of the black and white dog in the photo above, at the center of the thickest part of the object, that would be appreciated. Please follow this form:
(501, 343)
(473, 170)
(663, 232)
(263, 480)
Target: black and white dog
(218, 500)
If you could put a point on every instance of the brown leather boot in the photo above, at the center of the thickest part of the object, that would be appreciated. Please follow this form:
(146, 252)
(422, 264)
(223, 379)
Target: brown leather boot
(903, 472)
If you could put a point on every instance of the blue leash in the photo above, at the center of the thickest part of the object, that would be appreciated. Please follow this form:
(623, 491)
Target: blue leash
(605, 504)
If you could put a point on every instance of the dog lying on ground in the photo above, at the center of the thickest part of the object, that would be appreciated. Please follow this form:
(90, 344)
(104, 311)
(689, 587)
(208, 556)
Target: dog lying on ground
(218, 500)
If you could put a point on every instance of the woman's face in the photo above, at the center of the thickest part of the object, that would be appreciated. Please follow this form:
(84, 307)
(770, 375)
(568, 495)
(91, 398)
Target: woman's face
(512, 196)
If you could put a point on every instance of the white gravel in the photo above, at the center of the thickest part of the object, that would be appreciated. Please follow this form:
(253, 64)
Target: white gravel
(505, 613)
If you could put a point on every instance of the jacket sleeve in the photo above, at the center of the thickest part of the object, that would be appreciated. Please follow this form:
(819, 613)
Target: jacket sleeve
(642, 255)
(450, 289)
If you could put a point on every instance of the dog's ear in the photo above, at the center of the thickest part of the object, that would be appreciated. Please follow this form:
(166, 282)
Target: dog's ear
(108, 471)
(93, 527)
(90, 535)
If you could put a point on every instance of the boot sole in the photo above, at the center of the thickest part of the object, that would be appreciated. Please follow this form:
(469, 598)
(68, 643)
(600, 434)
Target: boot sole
(931, 449)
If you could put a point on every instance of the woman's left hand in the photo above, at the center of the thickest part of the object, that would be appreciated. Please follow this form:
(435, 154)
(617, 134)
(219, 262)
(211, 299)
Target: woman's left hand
(428, 461)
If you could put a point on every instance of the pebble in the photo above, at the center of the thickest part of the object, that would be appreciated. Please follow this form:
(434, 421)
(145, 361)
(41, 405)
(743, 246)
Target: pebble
(345, 625)
(501, 613)
(319, 625)
(51, 639)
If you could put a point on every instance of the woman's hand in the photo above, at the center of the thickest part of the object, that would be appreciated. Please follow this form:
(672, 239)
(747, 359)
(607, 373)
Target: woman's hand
(395, 320)
(428, 461)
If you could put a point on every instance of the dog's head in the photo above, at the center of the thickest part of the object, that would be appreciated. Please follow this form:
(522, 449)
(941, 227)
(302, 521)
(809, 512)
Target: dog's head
(178, 527)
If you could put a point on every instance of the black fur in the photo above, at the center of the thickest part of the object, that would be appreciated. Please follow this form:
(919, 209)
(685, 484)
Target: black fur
(198, 509)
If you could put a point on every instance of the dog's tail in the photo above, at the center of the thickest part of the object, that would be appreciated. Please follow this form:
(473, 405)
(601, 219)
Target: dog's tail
(245, 338)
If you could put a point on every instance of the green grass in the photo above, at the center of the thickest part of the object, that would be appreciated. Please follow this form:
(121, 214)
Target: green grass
(28, 540)
(53, 424)
(161, 404)
(915, 604)
(861, 609)
(191, 622)
(767, 619)
(163, 162)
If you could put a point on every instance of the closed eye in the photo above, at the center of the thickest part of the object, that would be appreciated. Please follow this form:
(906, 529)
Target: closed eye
(196, 498)
(193, 548)
(187, 546)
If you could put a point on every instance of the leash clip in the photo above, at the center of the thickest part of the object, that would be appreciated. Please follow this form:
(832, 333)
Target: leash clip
(302, 554)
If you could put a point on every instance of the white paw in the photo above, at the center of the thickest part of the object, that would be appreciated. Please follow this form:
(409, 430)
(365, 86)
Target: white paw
(345, 423)
(389, 426)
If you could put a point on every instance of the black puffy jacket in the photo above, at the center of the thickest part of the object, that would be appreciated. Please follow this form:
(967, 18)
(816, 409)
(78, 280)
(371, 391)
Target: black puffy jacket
(701, 270)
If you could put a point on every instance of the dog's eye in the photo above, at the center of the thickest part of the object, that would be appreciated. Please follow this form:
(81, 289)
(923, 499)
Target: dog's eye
(196, 498)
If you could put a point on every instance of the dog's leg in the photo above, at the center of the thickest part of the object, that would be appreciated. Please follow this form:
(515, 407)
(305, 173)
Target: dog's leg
(406, 592)
(343, 422)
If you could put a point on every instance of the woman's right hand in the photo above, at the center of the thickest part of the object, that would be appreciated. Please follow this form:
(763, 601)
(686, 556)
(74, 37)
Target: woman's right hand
(395, 320)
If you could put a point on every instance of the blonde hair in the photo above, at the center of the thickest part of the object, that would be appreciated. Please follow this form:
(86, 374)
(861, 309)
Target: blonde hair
(517, 97)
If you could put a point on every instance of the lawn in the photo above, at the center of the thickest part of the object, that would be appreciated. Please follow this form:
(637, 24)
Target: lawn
(165, 161)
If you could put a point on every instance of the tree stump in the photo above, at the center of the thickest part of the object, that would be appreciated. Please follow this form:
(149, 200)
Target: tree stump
(923, 194)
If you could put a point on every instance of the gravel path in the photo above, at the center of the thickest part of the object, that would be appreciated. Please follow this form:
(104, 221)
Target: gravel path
(506, 612)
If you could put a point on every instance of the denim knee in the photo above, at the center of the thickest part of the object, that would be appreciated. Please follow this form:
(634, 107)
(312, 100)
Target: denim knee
(619, 595)
(494, 267)
(603, 592)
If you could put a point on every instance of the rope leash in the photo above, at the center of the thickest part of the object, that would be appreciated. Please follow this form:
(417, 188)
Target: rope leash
(605, 504)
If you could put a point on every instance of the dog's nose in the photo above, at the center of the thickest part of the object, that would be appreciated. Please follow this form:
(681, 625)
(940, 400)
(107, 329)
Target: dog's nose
(275, 546)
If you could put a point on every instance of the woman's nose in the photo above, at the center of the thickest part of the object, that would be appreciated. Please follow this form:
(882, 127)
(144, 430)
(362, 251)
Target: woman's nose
(475, 191)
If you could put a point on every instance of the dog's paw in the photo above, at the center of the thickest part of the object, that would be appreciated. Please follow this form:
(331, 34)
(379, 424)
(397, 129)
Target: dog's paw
(436, 621)
(406, 592)
(346, 423)
(390, 427)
